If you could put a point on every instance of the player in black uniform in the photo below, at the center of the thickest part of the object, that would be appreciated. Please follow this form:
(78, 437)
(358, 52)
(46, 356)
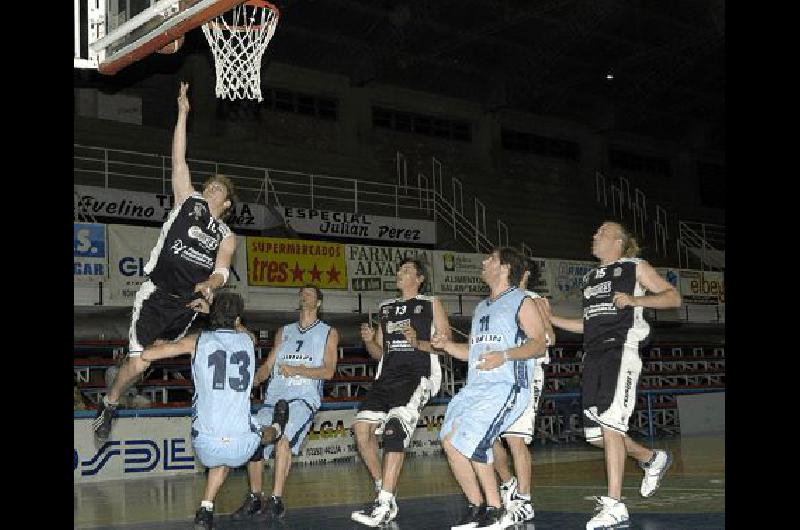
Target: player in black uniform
(613, 328)
(408, 375)
(190, 260)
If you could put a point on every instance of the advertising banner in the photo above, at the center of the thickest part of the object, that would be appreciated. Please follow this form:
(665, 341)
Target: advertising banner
(375, 268)
(345, 224)
(143, 206)
(566, 279)
(129, 251)
(702, 287)
(130, 248)
(279, 262)
(90, 252)
(671, 275)
(141, 447)
(331, 438)
(458, 273)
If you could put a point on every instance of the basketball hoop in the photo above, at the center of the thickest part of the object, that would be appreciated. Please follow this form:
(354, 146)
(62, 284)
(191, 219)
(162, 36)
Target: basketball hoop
(238, 39)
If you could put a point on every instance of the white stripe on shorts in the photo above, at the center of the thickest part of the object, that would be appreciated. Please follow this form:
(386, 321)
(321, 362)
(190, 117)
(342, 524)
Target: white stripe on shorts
(145, 291)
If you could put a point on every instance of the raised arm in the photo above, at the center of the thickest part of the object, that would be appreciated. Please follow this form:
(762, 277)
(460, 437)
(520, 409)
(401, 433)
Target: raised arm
(664, 294)
(167, 350)
(181, 180)
(262, 374)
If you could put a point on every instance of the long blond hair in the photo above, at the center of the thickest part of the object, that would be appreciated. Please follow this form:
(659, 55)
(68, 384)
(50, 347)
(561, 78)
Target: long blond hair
(630, 247)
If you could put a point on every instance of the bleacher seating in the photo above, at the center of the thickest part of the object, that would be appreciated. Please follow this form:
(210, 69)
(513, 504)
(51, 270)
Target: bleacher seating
(665, 368)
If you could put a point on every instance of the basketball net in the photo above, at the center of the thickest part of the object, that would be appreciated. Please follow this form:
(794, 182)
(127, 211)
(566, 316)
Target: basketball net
(238, 39)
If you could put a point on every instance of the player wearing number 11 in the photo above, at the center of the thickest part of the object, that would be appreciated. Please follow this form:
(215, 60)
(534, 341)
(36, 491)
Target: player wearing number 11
(224, 433)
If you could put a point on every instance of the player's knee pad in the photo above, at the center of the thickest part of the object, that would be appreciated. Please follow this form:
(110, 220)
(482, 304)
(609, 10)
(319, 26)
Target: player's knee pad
(394, 436)
(258, 456)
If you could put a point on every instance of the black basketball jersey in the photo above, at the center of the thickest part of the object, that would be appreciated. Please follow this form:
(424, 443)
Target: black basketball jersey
(400, 359)
(186, 250)
(604, 325)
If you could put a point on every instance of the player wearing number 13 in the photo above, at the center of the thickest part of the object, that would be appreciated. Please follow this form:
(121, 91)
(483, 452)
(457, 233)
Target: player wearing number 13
(224, 432)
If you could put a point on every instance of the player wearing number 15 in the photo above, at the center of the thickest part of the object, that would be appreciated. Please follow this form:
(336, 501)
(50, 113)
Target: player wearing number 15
(224, 432)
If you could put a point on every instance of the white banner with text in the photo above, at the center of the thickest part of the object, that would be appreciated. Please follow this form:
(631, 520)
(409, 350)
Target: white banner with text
(375, 268)
(143, 206)
(344, 224)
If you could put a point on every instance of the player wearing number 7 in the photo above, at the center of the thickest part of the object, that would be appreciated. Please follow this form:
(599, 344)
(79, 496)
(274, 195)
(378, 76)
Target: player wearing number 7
(224, 432)
(303, 356)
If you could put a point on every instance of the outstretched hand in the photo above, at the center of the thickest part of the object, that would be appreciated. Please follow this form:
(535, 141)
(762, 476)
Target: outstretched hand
(183, 101)
(367, 332)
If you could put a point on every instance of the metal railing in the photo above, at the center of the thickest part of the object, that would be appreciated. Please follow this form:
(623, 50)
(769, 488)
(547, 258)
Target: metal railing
(449, 383)
(149, 172)
(704, 242)
(632, 209)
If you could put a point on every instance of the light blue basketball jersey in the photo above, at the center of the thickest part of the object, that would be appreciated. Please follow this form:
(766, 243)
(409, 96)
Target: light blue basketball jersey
(222, 369)
(495, 328)
(305, 347)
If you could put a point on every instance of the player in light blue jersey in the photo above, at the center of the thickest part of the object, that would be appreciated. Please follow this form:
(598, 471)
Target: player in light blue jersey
(506, 330)
(224, 432)
(303, 357)
(515, 489)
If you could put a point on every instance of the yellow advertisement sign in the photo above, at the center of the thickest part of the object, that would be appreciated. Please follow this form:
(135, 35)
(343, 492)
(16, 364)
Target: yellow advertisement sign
(278, 262)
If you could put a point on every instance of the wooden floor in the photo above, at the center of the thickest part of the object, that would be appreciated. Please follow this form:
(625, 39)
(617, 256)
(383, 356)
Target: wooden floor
(565, 478)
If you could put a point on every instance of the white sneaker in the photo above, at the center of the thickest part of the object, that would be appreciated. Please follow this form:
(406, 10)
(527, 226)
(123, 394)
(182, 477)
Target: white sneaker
(518, 511)
(654, 472)
(506, 491)
(611, 513)
(377, 514)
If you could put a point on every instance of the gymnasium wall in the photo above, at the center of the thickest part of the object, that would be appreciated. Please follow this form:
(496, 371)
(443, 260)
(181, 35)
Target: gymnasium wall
(560, 191)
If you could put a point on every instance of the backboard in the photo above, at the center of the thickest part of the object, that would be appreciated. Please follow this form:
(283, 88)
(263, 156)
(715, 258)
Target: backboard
(111, 34)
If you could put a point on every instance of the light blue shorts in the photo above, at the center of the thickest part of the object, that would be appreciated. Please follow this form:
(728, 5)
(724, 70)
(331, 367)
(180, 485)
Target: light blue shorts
(478, 414)
(301, 416)
(213, 451)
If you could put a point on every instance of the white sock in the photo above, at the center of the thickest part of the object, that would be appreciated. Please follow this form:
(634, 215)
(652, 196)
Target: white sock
(385, 496)
(107, 403)
(378, 484)
(207, 504)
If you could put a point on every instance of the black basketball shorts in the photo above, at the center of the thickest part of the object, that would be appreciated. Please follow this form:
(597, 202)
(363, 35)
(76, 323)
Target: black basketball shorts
(402, 398)
(157, 315)
(609, 384)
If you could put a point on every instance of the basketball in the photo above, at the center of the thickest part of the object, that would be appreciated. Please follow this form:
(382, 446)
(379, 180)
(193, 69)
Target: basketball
(172, 47)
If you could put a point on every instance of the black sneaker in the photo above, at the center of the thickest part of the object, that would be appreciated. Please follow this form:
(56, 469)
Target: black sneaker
(471, 517)
(204, 518)
(281, 416)
(252, 506)
(492, 518)
(102, 421)
(275, 506)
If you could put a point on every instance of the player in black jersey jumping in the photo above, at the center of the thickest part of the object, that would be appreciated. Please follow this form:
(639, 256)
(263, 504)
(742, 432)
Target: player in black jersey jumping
(190, 260)
(408, 375)
(613, 328)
